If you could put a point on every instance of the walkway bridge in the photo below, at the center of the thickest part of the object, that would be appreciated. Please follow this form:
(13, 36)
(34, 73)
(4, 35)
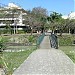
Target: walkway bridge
(46, 61)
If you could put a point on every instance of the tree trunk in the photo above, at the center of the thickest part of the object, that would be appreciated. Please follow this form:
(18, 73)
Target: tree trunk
(69, 30)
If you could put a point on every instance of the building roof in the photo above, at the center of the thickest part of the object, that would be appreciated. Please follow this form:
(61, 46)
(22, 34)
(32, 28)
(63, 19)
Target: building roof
(12, 5)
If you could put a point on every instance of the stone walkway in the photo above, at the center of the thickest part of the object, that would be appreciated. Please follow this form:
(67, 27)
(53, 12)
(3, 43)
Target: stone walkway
(46, 61)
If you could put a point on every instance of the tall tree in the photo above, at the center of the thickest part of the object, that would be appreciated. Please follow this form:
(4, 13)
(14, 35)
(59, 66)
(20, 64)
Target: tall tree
(36, 18)
(40, 15)
(54, 19)
(40, 11)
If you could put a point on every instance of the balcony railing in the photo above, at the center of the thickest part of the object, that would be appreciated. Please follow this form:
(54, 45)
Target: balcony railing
(8, 18)
(13, 24)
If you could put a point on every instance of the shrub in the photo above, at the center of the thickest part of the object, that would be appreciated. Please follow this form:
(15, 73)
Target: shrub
(31, 39)
(2, 43)
(65, 40)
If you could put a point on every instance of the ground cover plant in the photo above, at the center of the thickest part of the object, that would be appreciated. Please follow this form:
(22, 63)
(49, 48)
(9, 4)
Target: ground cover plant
(14, 59)
(66, 44)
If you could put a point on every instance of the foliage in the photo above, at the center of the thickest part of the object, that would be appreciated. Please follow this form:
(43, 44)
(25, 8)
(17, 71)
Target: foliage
(2, 43)
(55, 16)
(2, 14)
(19, 58)
(8, 28)
(39, 11)
(36, 18)
(31, 39)
(66, 40)
(55, 20)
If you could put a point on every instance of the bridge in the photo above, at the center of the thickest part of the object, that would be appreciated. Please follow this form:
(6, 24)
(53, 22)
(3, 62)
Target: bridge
(46, 61)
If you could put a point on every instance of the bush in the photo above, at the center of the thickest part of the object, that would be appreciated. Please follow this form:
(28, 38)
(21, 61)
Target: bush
(2, 43)
(31, 39)
(65, 40)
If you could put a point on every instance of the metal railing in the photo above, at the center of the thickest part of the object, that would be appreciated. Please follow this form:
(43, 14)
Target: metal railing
(40, 38)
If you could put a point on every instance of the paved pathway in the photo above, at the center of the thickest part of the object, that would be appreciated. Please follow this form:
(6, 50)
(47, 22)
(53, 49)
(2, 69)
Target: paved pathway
(45, 43)
(46, 62)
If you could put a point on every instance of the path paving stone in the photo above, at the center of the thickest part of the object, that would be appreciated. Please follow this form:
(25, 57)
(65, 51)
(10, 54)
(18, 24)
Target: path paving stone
(48, 61)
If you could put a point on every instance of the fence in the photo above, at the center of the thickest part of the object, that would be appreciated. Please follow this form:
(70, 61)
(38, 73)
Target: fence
(54, 41)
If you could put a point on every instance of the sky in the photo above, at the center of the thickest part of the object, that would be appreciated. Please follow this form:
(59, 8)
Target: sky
(61, 6)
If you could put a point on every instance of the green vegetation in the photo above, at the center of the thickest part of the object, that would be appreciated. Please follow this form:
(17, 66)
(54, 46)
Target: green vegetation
(14, 59)
(66, 40)
(26, 39)
(37, 20)
(31, 39)
(67, 46)
(2, 43)
(18, 54)
(70, 51)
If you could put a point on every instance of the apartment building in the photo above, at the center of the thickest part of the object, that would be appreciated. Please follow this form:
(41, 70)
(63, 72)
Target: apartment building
(12, 15)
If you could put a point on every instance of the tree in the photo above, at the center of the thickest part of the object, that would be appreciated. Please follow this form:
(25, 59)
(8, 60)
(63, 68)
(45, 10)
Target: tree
(40, 15)
(70, 24)
(39, 11)
(36, 18)
(44, 21)
(54, 19)
(8, 28)
(2, 15)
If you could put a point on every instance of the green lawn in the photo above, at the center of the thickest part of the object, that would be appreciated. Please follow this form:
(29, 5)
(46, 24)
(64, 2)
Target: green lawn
(15, 59)
(67, 46)
(70, 51)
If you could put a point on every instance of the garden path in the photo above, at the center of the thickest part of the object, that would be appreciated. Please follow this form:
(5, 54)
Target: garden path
(46, 61)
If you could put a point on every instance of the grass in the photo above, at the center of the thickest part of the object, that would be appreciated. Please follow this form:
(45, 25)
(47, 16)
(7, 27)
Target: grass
(67, 46)
(70, 51)
(15, 59)
(17, 48)
(66, 40)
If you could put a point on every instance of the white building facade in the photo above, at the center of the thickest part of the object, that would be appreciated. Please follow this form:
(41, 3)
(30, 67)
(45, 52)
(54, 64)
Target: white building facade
(13, 15)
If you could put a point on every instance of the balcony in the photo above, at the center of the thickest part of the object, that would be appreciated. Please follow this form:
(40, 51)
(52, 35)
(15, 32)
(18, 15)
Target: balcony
(12, 24)
(8, 19)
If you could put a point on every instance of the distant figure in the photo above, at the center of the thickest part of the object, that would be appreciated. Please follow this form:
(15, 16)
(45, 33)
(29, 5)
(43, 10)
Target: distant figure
(54, 41)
